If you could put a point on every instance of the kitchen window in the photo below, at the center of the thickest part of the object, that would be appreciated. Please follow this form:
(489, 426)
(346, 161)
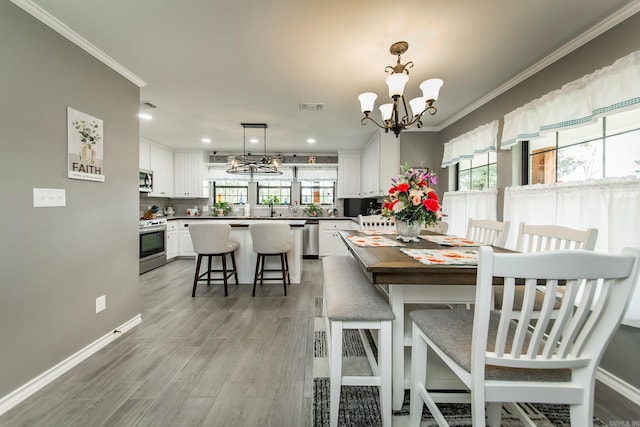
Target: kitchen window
(609, 147)
(232, 192)
(317, 185)
(278, 191)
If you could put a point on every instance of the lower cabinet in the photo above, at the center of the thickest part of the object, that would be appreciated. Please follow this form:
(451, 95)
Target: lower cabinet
(172, 240)
(329, 241)
(185, 247)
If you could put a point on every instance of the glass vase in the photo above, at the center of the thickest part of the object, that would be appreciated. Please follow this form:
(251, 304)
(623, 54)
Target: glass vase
(87, 154)
(408, 231)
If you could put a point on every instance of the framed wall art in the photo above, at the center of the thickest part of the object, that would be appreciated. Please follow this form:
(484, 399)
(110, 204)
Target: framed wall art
(85, 145)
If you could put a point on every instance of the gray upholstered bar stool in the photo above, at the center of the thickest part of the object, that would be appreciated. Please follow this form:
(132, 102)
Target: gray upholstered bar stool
(211, 240)
(270, 239)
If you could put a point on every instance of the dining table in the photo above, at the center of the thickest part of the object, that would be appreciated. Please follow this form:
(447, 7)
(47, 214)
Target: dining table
(437, 270)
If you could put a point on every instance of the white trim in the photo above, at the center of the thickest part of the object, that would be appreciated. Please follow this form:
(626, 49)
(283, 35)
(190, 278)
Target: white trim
(26, 390)
(39, 13)
(618, 385)
(608, 23)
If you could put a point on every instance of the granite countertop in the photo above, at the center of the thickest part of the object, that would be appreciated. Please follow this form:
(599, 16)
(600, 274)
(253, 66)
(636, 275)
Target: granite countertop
(262, 218)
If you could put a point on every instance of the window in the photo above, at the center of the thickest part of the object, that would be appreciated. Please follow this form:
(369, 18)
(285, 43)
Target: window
(317, 192)
(317, 185)
(278, 191)
(609, 147)
(478, 172)
(230, 191)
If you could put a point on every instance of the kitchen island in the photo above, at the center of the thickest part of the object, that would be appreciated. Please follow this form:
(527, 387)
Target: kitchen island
(245, 257)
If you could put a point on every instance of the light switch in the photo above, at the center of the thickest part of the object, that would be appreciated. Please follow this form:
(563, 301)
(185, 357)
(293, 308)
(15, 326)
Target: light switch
(49, 197)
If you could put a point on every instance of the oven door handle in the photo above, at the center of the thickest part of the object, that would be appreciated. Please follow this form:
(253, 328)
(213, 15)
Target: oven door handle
(147, 230)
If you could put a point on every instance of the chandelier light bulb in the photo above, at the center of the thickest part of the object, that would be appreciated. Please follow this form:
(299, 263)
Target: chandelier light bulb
(418, 105)
(367, 101)
(396, 83)
(386, 110)
(431, 88)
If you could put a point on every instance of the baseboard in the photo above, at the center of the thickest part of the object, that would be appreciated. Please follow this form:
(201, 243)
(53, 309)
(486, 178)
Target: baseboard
(619, 386)
(15, 397)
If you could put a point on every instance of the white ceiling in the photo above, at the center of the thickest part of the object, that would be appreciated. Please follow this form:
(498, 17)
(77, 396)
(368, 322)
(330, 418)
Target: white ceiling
(210, 65)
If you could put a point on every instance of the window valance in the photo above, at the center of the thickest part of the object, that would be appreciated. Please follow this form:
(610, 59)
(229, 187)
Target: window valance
(317, 174)
(611, 89)
(480, 140)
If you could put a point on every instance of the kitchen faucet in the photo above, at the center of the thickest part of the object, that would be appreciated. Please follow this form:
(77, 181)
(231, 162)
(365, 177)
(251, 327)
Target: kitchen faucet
(272, 208)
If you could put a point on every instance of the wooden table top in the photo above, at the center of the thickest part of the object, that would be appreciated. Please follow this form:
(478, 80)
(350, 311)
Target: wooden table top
(388, 265)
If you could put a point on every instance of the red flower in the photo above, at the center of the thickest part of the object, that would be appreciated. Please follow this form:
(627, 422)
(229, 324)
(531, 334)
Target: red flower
(392, 190)
(432, 195)
(431, 205)
(403, 187)
(391, 204)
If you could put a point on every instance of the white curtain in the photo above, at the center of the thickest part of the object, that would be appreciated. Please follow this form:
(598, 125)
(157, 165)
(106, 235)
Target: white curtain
(459, 206)
(611, 205)
(317, 173)
(611, 89)
(480, 140)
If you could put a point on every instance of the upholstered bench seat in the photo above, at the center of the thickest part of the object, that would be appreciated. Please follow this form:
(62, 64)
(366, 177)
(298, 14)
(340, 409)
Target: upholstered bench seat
(351, 301)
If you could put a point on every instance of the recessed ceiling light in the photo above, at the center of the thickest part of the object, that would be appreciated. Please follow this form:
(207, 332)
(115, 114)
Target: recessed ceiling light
(254, 140)
(206, 140)
(145, 116)
(311, 141)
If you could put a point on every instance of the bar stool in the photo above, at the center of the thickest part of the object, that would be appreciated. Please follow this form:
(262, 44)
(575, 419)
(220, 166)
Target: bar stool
(270, 239)
(211, 240)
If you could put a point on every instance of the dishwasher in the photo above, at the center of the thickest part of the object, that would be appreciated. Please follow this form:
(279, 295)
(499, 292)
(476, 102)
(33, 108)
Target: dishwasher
(310, 239)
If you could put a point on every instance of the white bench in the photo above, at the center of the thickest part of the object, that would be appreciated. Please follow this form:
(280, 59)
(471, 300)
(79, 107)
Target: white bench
(351, 301)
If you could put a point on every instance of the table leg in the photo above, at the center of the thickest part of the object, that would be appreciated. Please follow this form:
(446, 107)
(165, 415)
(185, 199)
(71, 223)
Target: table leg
(396, 300)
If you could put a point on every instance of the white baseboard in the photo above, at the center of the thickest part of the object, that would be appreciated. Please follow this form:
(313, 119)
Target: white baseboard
(15, 397)
(619, 386)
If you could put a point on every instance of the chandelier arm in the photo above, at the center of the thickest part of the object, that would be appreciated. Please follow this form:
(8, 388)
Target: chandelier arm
(364, 122)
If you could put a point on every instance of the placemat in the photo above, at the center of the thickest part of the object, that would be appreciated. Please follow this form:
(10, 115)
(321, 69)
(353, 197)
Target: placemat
(443, 256)
(449, 241)
(373, 241)
(377, 232)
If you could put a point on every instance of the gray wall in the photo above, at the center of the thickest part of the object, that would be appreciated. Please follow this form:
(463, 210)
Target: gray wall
(624, 351)
(55, 262)
(424, 149)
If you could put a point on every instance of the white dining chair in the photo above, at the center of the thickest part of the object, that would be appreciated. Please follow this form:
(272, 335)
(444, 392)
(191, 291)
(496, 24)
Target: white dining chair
(439, 227)
(488, 231)
(500, 360)
(536, 238)
(375, 222)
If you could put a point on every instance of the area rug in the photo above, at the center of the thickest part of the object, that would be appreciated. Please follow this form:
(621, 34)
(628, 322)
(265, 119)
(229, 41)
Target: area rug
(359, 406)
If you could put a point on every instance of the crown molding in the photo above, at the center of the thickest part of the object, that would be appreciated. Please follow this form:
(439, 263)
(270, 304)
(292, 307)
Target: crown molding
(608, 23)
(42, 15)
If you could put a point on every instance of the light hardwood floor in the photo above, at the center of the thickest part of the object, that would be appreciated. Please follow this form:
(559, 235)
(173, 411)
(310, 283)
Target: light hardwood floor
(207, 361)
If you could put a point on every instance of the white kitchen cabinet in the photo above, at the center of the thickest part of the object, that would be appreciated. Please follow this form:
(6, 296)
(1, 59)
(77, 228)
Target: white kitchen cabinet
(161, 163)
(189, 174)
(172, 240)
(144, 160)
(348, 174)
(380, 162)
(185, 246)
(329, 241)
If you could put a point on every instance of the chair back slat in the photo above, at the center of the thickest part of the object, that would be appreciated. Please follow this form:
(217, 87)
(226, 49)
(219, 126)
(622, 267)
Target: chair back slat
(579, 333)
(376, 222)
(488, 231)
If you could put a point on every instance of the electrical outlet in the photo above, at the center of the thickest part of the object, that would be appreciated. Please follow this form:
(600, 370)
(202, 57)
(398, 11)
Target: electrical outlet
(101, 303)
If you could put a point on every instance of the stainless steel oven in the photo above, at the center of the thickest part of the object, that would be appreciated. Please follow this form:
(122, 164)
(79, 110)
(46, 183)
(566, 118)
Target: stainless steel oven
(153, 242)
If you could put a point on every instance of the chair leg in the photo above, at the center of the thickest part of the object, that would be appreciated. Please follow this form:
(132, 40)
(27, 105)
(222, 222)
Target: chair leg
(263, 258)
(286, 263)
(385, 370)
(235, 267)
(195, 278)
(284, 274)
(255, 275)
(494, 413)
(418, 378)
(335, 369)
(224, 273)
(209, 270)
(478, 413)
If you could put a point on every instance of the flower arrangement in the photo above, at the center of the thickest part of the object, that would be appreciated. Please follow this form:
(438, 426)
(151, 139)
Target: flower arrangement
(313, 210)
(410, 199)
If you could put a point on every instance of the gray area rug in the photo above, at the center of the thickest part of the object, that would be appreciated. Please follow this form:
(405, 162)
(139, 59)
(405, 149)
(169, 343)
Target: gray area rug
(359, 406)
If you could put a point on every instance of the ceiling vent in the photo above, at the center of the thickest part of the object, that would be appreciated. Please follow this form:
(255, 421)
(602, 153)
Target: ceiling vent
(148, 104)
(311, 107)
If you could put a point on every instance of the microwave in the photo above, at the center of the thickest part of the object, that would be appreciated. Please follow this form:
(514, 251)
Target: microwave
(146, 181)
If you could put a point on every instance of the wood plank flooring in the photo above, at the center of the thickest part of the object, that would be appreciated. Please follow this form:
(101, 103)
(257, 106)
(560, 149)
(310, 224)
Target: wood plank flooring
(207, 361)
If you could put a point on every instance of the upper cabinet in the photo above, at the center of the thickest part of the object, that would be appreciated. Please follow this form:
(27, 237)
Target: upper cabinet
(189, 174)
(380, 162)
(161, 163)
(144, 160)
(348, 174)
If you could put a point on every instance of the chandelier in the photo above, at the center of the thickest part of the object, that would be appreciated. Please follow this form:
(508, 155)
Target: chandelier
(397, 79)
(246, 164)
